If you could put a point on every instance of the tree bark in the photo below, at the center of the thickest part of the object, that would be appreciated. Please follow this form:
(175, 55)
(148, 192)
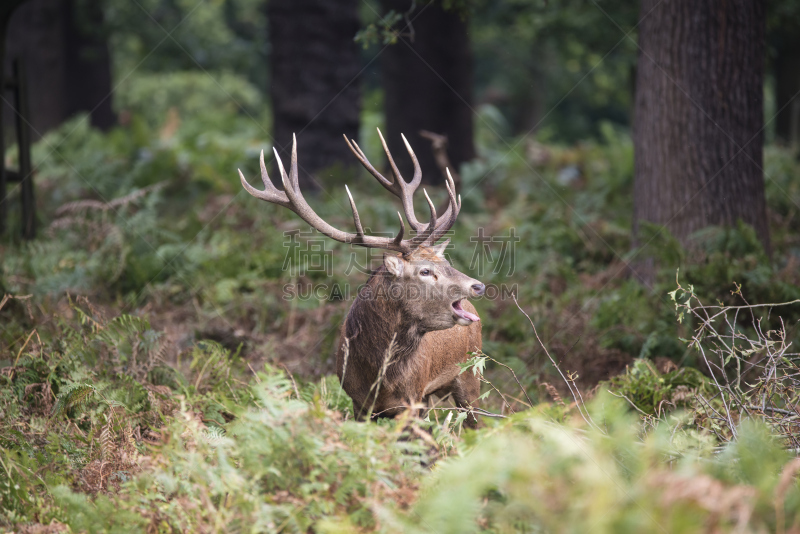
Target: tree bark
(698, 120)
(787, 85)
(427, 83)
(68, 64)
(6, 11)
(314, 86)
(87, 85)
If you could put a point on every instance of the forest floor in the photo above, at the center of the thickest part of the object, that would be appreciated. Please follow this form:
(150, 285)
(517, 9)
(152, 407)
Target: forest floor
(154, 378)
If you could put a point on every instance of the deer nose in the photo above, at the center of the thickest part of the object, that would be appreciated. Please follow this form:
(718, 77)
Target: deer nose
(479, 289)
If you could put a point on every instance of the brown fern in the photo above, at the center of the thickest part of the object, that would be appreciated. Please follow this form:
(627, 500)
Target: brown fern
(553, 392)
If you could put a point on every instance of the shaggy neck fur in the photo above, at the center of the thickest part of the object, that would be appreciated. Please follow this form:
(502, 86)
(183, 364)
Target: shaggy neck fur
(372, 322)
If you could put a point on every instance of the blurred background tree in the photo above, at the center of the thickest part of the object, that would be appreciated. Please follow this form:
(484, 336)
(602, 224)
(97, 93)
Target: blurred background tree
(64, 44)
(538, 100)
(314, 87)
(427, 79)
(483, 74)
(556, 68)
(783, 39)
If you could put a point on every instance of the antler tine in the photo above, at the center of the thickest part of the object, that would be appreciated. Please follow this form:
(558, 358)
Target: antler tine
(399, 238)
(359, 154)
(398, 187)
(284, 178)
(415, 181)
(450, 216)
(270, 192)
(294, 177)
(451, 191)
(268, 186)
(449, 182)
(398, 178)
(291, 197)
(402, 189)
(424, 237)
(356, 218)
(452, 186)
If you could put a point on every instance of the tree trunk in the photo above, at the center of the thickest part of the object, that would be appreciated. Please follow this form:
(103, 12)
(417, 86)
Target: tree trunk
(87, 85)
(67, 61)
(427, 83)
(314, 87)
(787, 85)
(35, 35)
(6, 11)
(699, 116)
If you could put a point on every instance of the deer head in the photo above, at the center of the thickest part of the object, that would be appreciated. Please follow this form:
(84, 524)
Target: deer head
(418, 278)
(430, 290)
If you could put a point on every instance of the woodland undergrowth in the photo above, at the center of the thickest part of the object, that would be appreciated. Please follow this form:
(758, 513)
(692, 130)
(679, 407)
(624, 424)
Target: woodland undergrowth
(154, 379)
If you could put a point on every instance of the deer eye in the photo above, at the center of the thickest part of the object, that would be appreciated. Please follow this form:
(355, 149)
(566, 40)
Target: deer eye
(425, 272)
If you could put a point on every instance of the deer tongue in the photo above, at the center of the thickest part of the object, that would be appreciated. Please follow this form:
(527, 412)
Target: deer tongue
(461, 312)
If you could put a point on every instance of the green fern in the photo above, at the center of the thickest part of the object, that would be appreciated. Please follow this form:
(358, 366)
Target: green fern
(121, 329)
(164, 375)
(75, 395)
(212, 362)
(213, 435)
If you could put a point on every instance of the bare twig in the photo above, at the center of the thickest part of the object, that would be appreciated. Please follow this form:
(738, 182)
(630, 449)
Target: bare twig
(530, 402)
(387, 361)
(8, 297)
(771, 409)
(620, 396)
(508, 404)
(573, 389)
(439, 148)
(762, 349)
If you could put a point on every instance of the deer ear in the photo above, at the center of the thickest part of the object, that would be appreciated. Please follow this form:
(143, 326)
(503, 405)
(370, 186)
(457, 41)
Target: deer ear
(440, 248)
(393, 263)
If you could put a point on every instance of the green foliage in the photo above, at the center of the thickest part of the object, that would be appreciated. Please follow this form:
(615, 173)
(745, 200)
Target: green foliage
(291, 466)
(272, 455)
(383, 30)
(533, 475)
(74, 396)
(204, 96)
(117, 236)
(146, 413)
(174, 35)
(560, 67)
(652, 392)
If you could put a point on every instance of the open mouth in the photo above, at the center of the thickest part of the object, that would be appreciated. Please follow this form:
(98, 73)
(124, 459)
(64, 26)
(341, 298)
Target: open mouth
(461, 313)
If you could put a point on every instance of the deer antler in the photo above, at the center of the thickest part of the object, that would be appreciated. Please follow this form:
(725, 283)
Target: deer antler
(292, 198)
(426, 234)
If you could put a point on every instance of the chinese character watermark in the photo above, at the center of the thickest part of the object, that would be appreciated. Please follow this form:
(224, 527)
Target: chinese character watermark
(483, 255)
(309, 254)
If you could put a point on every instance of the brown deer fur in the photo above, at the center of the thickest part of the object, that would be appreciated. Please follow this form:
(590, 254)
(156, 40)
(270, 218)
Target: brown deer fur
(420, 336)
(411, 326)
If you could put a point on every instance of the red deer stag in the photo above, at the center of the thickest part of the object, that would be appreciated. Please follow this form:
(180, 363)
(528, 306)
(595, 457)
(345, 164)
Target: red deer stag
(411, 325)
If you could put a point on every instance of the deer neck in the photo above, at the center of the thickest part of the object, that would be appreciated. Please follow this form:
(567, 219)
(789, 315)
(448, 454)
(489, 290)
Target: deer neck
(378, 328)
